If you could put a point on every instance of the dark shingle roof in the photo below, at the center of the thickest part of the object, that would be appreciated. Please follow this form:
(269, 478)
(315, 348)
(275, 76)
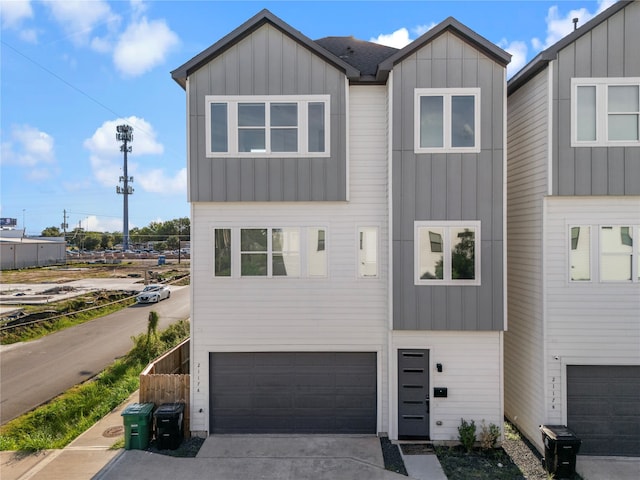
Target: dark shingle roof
(364, 56)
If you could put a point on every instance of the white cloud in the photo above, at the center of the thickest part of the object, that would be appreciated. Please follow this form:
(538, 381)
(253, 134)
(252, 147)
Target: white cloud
(95, 224)
(107, 162)
(518, 51)
(143, 46)
(14, 12)
(422, 29)
(398, 39)
(156, 181)
(79, 18)
(559, 26)
(31, 150)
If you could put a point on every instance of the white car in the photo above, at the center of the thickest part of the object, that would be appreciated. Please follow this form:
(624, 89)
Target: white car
(153, 294)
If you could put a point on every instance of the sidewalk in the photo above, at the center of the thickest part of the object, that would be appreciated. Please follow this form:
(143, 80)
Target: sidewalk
(82, 459)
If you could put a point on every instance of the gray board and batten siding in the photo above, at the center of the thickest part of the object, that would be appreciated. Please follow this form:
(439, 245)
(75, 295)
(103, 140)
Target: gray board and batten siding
(601, 48)
(265, 58)
(449, 186)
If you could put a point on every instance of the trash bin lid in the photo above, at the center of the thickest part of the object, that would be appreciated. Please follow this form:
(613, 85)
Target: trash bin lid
(138, 409)
(168, 409)
(557, 432)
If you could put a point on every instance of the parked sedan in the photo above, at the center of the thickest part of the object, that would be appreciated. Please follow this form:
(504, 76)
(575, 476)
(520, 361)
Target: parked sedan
(153, 294)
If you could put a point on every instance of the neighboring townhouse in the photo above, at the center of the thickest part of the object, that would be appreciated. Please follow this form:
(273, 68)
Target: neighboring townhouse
(348, 219)
(572, 351)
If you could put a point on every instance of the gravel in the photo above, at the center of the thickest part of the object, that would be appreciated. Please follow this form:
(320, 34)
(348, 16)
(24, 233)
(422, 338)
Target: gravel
(523, 454)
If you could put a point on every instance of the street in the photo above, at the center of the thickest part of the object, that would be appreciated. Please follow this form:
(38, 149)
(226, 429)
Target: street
(31, 373)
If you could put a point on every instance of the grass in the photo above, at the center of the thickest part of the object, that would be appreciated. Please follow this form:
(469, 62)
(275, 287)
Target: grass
(60, 421)
(67, 314)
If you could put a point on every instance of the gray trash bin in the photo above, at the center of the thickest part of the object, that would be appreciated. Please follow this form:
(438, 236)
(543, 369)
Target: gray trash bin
(561, 447)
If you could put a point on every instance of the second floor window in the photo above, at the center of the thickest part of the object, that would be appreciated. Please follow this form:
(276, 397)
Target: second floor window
(605, 112)
(272, 126)
(447, 120)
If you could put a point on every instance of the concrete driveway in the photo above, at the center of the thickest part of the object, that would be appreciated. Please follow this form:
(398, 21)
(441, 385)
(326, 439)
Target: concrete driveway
(278, 457)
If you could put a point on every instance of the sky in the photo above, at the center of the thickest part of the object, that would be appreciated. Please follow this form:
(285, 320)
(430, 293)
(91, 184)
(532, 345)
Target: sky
(71, 71)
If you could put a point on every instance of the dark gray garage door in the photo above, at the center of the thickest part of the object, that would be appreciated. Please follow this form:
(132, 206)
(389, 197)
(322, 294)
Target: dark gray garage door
(603, 408)
(293, 392)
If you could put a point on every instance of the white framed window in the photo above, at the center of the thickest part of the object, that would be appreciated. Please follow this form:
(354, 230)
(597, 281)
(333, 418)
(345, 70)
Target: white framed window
(269, 252)
(604, 253)
(317, 251)
(267, 126)
(580, 253)
(368, 252)
(447, 120)
(616, 254)
(447, 253)
(605, 112)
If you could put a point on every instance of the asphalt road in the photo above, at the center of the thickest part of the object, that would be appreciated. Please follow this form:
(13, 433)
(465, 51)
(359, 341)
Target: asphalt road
(32, 373)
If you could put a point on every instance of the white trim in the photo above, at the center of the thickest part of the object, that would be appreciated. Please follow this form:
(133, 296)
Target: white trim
(505, 298)
(446, 94)
(550, 126)
(302, 102)
(446, 252)
(347, 149)
(601, 111)
(390, 199)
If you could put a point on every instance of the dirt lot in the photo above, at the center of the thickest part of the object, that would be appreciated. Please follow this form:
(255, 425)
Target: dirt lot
(77, 271)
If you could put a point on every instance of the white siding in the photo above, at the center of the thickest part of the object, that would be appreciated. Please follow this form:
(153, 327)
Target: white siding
(527, 183)
(337, 313)
(471, 371)
(587, 323)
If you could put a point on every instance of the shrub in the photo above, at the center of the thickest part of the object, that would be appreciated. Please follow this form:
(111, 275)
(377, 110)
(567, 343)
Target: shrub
(467, 434)
(489, 435)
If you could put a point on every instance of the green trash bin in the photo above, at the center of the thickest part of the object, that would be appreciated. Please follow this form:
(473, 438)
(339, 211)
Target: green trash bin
(138, 425)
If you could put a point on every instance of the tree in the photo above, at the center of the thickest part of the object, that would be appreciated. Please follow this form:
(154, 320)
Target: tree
(106, 241)
(173, 242)
(51, 232)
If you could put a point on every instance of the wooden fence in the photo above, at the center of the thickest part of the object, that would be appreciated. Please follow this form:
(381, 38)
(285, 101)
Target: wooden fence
(167, 380)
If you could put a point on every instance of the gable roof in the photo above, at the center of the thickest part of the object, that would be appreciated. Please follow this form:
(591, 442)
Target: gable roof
(541, 60)
(181, 73)
(452, 25)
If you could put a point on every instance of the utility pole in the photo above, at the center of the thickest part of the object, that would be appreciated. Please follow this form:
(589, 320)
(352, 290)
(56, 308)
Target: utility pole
(125, 135)
(64, 224)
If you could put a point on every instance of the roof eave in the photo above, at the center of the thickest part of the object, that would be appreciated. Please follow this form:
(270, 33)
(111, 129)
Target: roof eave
(546, 56)
(181, 73)
(454, 26)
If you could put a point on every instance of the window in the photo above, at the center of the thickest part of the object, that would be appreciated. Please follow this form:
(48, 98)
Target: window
(447, 253)
(222, 247)
(269, 252)
(605, 112)
(368, 252)
(316, 252)
(447, 120)
(276, 126)
(616, 257)
(616, 254)
(580, 255)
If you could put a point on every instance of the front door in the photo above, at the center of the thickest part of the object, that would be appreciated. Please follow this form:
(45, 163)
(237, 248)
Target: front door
(413, 393)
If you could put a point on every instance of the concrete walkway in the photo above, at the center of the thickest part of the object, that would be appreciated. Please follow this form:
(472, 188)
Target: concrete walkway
(245, 457)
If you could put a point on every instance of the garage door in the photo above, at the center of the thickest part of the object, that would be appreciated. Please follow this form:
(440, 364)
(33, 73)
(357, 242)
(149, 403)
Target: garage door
(293, 392)
(603, 408)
